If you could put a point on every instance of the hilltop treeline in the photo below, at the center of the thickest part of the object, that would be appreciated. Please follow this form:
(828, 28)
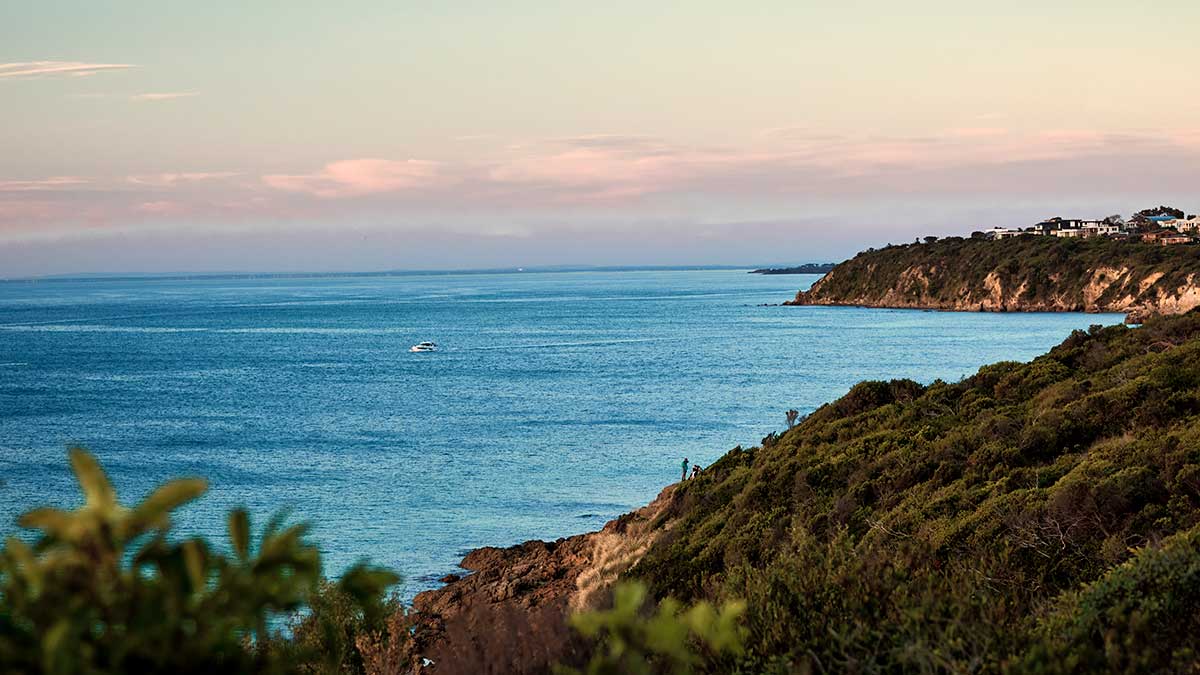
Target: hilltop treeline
(1027, 273)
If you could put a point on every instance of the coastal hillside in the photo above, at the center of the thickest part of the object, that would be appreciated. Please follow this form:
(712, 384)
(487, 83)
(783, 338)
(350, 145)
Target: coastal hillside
(1028, 274)
(1035, 517)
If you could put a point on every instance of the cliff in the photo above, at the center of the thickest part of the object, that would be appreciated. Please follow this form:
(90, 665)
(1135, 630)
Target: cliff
(1021, 274)
(1034, 517)
(508, 614)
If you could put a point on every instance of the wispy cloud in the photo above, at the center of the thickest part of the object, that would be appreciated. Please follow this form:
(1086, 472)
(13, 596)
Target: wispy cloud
(976, 132)
(52, 183)
(161, 208)
(355, 177)
(164, 95)
(613, 141)
(31, 69)
(24, 211)
(173, 179)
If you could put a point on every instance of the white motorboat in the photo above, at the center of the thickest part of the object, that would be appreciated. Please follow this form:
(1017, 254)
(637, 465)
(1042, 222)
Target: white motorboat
(423, 347)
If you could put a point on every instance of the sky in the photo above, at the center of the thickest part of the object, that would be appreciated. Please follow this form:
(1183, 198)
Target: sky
(271, 136)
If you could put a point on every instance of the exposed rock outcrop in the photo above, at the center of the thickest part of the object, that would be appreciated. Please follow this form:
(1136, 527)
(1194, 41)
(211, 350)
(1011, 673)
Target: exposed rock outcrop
(510, 609)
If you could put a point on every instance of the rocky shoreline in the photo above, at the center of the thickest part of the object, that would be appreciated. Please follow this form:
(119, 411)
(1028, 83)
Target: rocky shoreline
(509, 610)
(1134, 313)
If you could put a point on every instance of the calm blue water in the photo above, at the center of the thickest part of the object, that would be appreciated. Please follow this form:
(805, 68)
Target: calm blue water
(558, 401)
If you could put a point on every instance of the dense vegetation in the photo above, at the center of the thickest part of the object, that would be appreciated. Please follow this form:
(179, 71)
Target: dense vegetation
(1034, 273)
(1038, 517)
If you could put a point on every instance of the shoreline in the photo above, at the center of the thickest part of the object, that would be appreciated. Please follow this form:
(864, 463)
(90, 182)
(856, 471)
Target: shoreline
(527, 589)
(1128, 313)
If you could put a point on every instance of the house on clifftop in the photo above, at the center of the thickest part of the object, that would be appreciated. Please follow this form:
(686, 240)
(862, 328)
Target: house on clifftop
(1002, 233)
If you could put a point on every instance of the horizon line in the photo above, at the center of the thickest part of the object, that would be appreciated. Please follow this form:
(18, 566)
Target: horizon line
(513, 269)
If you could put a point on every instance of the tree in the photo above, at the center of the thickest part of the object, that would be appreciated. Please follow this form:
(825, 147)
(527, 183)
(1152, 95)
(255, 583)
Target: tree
(1145, 214)
(791, 417)
(1114, 219)
(977, 234)
(105, 589)
(930, 239)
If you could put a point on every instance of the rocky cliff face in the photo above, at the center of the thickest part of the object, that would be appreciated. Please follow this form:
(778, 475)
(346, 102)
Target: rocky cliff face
(1027, 274)
(508, 614)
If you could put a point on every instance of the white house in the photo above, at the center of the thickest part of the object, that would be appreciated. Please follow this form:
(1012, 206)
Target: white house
(1190, 225)
(1097, 228)
(1002, 233)
(1173, 240)
(1069, 232)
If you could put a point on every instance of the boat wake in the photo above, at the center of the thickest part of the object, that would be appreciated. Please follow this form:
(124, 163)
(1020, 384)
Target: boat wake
(581, 343)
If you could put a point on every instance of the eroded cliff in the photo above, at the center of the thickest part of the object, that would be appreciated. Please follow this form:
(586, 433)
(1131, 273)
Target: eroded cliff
(509, 613)
(1024, 274)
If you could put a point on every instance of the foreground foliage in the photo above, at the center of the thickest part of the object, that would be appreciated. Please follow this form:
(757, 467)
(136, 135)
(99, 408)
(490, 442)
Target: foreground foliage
(632, 641)
(949, 527)
(104, 589)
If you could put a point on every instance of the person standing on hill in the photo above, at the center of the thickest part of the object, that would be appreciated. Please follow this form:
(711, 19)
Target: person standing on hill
(685, 463)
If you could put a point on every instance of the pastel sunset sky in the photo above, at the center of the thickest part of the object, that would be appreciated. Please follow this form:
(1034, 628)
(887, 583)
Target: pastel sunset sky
(354, 135)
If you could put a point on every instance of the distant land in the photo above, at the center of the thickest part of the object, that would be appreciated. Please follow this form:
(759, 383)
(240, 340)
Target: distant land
(806, 268)
(1017, 274)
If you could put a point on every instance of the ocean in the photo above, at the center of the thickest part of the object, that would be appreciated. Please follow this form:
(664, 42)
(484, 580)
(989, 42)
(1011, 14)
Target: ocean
(556, 402)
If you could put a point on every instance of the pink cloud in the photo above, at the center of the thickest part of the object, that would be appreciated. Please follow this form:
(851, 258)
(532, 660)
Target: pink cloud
(795, 161)
(357, 177)
(605, 167)
(770, 175)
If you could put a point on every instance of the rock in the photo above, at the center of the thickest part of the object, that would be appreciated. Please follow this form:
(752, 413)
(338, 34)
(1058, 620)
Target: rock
(527, 589)
(1139, 315)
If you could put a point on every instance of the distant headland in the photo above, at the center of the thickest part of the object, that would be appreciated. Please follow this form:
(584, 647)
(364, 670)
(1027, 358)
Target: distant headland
(1141, 276)
(807, 268)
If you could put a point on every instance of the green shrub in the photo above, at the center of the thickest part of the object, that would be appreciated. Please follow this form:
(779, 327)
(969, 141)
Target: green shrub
(105, 589)
(631, 640)
(1140, 617)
